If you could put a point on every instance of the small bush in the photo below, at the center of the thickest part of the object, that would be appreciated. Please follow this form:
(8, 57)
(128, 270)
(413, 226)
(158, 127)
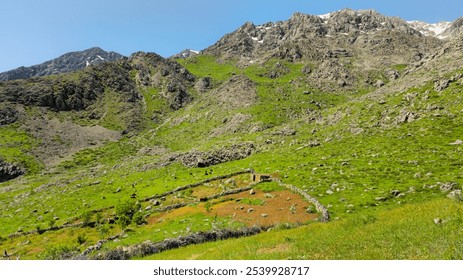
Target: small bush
(60, 252)
(138, 218)
(104, 230)
(81, 239)
(86, 217)
(125, 211)
(98, 218)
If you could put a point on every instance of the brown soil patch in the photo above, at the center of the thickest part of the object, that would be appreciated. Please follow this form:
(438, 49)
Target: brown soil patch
(284, 207)
(277, 207)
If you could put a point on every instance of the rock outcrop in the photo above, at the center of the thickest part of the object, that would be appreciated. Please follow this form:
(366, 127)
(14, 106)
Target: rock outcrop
(9, 171)
(204, 159)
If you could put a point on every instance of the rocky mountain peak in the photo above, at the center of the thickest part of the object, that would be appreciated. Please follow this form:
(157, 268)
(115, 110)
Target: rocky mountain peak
(455, 28)
(348, 20)
(185, 54)
(307, 37)
(68, 62)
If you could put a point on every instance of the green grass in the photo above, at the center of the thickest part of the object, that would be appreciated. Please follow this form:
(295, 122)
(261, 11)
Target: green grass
(364, 158)
(208, 66)
(408, 232)
(15, 145)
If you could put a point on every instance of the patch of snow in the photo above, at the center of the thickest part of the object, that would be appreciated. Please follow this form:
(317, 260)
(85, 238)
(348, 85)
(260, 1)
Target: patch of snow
(430, 29)
(101, 58)
(254, 38)
(347, 34)
(87, 64)
(260, 42)
(193, 51)
(325, 16)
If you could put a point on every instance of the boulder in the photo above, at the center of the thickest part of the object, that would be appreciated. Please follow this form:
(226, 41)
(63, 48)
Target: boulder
(9, 171)
(8, 116)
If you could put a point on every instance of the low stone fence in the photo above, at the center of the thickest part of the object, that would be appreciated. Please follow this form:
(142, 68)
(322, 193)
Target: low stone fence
(149, 248)
(325, 215)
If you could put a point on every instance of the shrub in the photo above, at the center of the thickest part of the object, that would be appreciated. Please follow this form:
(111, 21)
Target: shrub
(125, 211)
(86, 216)
(138, 218)
(81, 239)
(104, 230)
(60, 252)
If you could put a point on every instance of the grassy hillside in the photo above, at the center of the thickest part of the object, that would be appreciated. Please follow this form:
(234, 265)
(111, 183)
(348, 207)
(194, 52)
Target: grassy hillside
(383, 163)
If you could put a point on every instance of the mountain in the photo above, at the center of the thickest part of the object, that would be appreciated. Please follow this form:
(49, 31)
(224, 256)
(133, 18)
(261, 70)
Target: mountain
(431, 29)
(68, 62)
(343, 128)
(365, 40)
(185, 54)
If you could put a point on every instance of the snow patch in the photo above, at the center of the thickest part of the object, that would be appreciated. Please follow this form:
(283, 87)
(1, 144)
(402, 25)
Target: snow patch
(430, 29)
(325, 16)
(101, 58)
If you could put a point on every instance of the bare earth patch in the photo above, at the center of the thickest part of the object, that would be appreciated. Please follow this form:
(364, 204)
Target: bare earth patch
(62, 139)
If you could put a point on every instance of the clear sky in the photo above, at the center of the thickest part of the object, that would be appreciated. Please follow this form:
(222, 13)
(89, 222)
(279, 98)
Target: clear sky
(33, 31)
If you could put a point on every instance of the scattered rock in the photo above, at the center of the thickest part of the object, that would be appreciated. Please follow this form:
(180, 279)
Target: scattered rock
(313, 143)
(437, 221)
(380, 198)
(449, 186)
(456, 195)
(8, 116)
(379, 83)
(252, 192)
(204, 159)
(285, 131)
(406, 117)
(118, 190)
(457, 142)
(264, 215)
(395, 192)
(441, 85)
(203, 84)
(250, 210)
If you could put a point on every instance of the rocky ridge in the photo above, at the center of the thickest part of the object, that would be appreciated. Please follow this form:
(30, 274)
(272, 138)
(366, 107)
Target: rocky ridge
(68, 62)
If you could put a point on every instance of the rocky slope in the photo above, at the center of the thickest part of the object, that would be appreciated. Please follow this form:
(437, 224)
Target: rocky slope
(309, 37)
(66, 63)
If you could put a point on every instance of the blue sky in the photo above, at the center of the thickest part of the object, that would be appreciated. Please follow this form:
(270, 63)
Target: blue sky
(33, 31)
